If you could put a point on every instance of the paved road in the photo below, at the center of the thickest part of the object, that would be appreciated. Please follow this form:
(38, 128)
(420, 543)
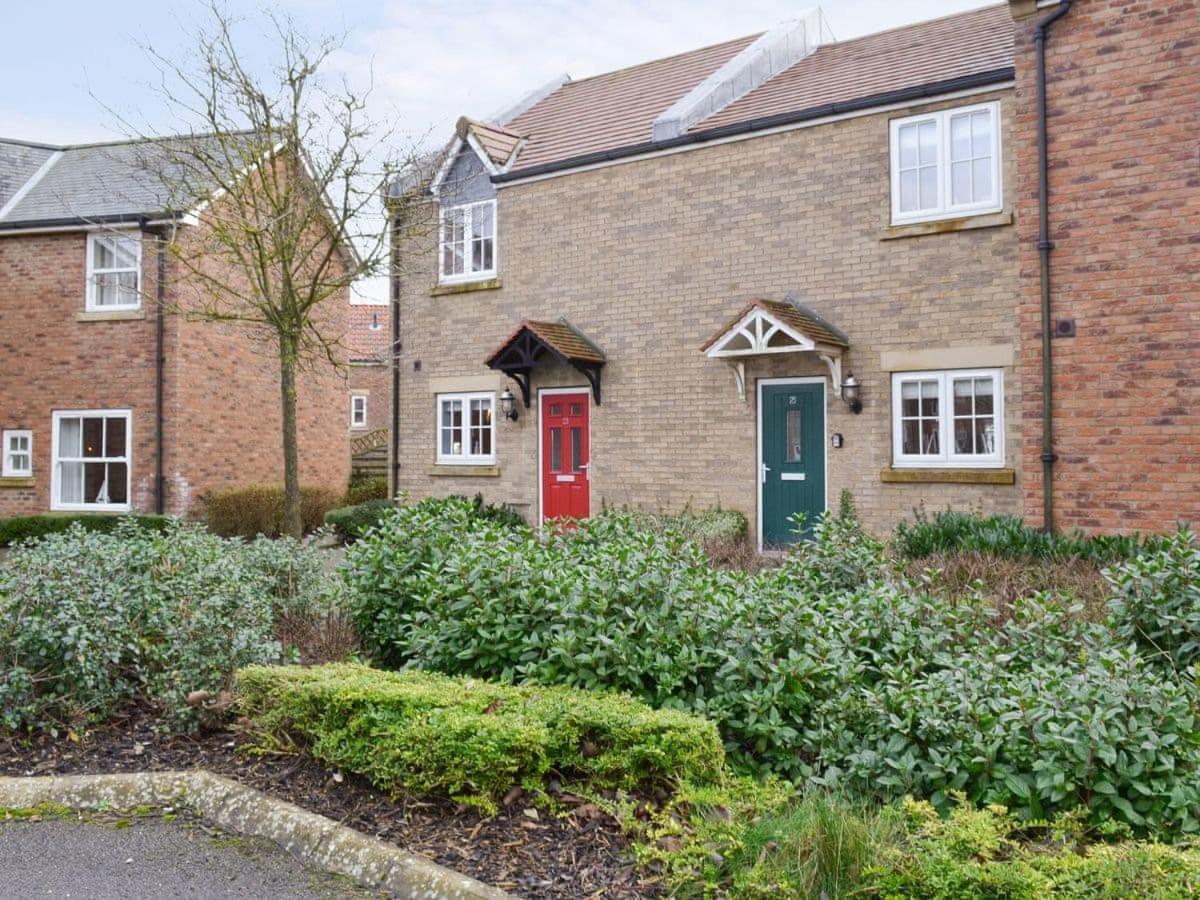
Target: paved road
(151, 859)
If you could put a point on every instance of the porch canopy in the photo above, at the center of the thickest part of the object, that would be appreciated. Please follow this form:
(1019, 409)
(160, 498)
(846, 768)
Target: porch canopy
(767, 327)
(536, 342)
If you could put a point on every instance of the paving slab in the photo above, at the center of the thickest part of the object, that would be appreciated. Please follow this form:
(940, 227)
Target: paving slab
(153, 858)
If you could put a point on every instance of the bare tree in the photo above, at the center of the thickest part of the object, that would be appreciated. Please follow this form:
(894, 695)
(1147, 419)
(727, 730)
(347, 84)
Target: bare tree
(277, 197)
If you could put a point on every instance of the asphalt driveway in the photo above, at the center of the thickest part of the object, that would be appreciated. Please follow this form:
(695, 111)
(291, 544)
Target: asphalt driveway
(151, 858)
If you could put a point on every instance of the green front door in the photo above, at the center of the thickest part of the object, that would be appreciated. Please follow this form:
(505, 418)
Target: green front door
(792, 464)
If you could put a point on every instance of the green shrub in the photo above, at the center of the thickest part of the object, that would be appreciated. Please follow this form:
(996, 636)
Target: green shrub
(364, 490)
(352, 522)
(1009, 536)
(1156, 601)
(500, 513)
(472, 739)
(27, 527)
(250, 511)
(827, 668)
(90, 620)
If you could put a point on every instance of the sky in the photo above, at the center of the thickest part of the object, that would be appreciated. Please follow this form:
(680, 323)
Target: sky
(428, 62)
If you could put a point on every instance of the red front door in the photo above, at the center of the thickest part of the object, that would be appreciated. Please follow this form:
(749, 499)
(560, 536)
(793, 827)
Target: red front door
(565, 440)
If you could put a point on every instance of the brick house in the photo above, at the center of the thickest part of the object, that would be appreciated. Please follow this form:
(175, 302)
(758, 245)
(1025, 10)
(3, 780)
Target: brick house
(107, 401)
(369, 385)
(755, 275)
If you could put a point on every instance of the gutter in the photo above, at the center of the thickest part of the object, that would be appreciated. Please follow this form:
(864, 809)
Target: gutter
(904, 95)
(1045, 245)
(81, 223)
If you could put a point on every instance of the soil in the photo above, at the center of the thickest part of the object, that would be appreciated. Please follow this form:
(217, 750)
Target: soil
(530, 852)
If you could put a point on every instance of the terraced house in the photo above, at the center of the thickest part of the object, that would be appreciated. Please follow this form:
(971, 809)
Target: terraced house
(754, 275)
(110, 402)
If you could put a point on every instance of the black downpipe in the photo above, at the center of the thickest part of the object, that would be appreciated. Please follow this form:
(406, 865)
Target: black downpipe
(1045, 245)
(394, 355)
(160, 482)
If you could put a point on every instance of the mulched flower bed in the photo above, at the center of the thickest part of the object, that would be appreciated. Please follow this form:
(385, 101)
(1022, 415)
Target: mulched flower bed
(528, 852)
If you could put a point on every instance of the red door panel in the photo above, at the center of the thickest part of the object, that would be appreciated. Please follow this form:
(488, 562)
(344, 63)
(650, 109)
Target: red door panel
(566, 490)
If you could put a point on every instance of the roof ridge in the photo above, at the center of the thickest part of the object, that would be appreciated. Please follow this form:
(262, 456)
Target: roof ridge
(36, 144)
(659, 59)
(920, 23)
(154, 139)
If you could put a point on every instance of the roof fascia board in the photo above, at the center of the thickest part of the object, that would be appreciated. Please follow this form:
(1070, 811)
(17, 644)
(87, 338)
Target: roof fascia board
(768, 55)
(530, 100)
(435, 186)
(53, 226)
(967, 86)
(29, 185)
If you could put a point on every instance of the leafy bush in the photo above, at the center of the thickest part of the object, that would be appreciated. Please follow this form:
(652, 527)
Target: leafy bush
(352, 522)
(363, 490)
(472, 739)
(1009, 536)
(827, 668)
(91, 620)
(250, 511)
(27, 527)
(500, 513)
(1156, 600)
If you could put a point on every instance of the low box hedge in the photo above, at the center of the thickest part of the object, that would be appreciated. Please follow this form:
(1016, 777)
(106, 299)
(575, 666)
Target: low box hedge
(25, 527)
(473, 739)
(258, 509)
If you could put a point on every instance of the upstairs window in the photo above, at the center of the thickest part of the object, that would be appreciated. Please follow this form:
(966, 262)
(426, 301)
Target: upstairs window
(114, 272)
(358, 411)
(17, 448)
(948, 419)
(91, 460)
(467, 250)
(946, 164)
(466, 429)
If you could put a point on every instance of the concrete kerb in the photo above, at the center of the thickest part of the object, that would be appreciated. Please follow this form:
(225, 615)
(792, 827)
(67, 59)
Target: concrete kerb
(315, 839)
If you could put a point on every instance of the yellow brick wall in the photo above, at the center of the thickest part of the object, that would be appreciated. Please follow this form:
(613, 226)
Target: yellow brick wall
(649, 258)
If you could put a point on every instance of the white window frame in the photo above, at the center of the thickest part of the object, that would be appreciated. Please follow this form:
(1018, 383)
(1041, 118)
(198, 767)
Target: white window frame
(56, 462)
(356, 420)
(90, 302)
(947, 458)
(8, 470)
(465, 458)
(945, 209)
(482, 274)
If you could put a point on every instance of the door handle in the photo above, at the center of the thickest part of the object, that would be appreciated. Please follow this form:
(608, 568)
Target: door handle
(764, 469)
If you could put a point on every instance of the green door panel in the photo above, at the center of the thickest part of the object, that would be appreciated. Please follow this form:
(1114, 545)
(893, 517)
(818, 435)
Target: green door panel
(793, 459)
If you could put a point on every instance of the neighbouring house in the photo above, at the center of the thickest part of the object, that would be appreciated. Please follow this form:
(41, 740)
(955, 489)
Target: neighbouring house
(765, 272)
(369, 385)
(109, 401)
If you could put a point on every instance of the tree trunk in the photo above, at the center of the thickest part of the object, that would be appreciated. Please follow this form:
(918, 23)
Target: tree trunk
(293, 524)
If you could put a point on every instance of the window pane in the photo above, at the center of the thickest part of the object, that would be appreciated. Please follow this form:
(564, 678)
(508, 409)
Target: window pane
(482, 221)
(556, 450)
(984, 396)
(928, 143)
(960, 137)
(929, 187)
(960, 177)
(125, 252)
(792, 451)
(71, 482)
(982, 180)
(962, 397)
(929, 398)
(909, 197)
(908, 147)
(95, 483)
(70, 438)
(981, 134)
(93, 437)
(555, 409)
(577, 409)
(114, 437)
(103, 254)
(576, 449)
(930, 440)
(985, 435)
(910, 391)
(911, 443)
(118, 489)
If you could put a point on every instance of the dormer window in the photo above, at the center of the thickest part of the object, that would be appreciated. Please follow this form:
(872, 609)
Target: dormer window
(468, 242)
(114, 272)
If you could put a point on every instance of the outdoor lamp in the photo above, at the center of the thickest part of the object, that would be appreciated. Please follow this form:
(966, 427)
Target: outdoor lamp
(850, 394)
(507, 406)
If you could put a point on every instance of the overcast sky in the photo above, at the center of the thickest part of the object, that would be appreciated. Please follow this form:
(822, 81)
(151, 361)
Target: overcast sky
(431, 61)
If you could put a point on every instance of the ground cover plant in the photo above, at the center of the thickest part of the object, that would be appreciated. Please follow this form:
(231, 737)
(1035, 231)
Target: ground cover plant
(471, 739)
(91, 620)
(830, 669)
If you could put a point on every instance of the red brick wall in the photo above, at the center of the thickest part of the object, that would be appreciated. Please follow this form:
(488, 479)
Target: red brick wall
(1124, 103)
(368, 351)
(50, 361)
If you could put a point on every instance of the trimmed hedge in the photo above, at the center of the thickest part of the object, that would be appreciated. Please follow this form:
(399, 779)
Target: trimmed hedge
(473, 739)
(22, 528)
(363, 490)
(352, 522)
(258, 509)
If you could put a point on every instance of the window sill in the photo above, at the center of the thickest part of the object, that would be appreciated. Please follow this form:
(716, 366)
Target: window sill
(17, 481)
(110, 315)
(948, 476)
(449, 471)
(946, 226)
(464, 287)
